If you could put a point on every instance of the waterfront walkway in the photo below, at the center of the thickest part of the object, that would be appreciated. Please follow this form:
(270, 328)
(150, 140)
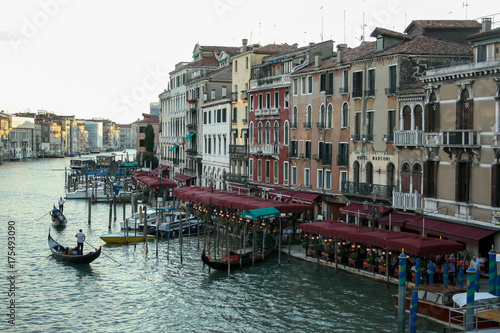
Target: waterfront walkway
(297, 251)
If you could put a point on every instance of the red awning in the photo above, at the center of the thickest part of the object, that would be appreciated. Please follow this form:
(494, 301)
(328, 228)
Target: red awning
(283, 194)
(304, 197)
(460, 232)
(182, 178)
(354, 208)
(397, 219)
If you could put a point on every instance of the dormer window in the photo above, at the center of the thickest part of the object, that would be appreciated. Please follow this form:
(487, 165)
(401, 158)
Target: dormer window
(380, 43)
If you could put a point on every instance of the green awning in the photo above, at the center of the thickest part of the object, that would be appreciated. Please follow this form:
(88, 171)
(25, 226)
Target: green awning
(261, 213)
(174, 147)
(129, 164)
(189, 136)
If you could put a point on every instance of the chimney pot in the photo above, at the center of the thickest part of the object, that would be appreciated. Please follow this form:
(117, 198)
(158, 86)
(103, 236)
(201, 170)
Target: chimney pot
(486, 24)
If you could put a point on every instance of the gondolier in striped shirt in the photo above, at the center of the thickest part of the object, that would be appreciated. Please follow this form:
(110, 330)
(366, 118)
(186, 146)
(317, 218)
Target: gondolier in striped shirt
(80, 238)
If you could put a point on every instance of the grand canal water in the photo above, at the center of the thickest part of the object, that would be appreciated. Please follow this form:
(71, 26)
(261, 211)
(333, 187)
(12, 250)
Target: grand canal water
(146, 293)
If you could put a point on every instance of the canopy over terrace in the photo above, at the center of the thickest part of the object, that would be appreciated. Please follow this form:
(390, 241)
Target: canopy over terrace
(208, 196)
(148, 179)
(391, 240)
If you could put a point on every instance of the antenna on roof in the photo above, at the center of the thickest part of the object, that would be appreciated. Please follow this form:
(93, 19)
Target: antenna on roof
(344, 26)
(321, 23)
(465, 4)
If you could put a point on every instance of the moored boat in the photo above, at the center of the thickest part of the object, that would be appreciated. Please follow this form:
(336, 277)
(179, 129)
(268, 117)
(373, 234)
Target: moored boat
(436, 302)
(80, 163)
(60, 253)
(120, 238)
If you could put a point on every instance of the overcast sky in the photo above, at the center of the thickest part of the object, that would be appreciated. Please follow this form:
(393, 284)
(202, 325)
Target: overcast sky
(111, 58)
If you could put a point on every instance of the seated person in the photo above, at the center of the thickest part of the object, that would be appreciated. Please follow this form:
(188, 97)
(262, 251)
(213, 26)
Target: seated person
(69, 251)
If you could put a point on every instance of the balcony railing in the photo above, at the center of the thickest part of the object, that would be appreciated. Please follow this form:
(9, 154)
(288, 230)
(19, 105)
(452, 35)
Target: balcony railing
(191, 151)
(192, 127)
(390, 91)
(384, 192)
(294, 124)
(274, 111)
(368, 137)
(320, 125)
(244, 94)
(461, 138)
(244, 121)
(357, 93)
(238, 150)
(317, 157)
(258, 112)
(370, 93)
(308, 125)
(270, 81)
(236, 178)
(389, 137)
(414, 138)
(407, 201)
(343, 160)
(234, 97)
(265, 149)
(344, 90)
(356, 137)
(431, 139)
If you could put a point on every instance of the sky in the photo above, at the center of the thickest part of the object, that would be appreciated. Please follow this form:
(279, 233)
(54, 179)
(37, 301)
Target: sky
(109, 59)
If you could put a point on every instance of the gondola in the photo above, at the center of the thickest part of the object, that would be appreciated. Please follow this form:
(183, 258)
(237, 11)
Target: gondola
(58, 218)
(235, 261)
(59, 252)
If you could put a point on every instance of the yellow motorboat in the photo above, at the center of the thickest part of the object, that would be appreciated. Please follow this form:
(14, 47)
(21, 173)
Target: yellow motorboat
(120, 238)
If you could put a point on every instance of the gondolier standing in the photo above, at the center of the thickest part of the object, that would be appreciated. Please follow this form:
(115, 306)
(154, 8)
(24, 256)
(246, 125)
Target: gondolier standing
(61, 204)
(80, 238)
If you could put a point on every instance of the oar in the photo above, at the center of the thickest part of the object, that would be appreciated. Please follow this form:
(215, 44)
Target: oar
(44, 215)
(102, 252)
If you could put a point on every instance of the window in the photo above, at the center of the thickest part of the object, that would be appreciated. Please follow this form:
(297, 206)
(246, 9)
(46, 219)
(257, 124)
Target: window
(357, 84)
(293, 148)
(345, 115)
(406, 118)
(416, 178)
(260, 102)
(251, 134)
(357, 124)
(430, 178)
(343, 157)
(319, 180)
(417, 115)
(462, 178)
(328, 179)
(345, 81)
(205, 118)
(303, 85)
(295, 117)
(405, 178)
(431, 115)
(141, 143)
(276, 99)
(295, 87)
(294, 175)
(343, 179)
(371, 82)
(495, 185)
(235, 115)
(246, 63)
(391, 175)
(369, 173)
(285, 173)
(236, 66)
(329, 116)
(259, 170)
(308, 117)
(218, 120)
(307, 153)
(286, 99)
(268, 100)
(391, 123)
(464, 111)
(275, 171)
(370, 120)
(268, 170)
(392, 79)
(355, 169)
(307, 177)
(309, 84)
(481, 53)
(326, 157)
(326, 83)
(251, 102)
(206, 146)
(209, 145)
(276, 134)
(322, 116)
(250, 169)
(287, 133)
(268, 133)
(259, 134)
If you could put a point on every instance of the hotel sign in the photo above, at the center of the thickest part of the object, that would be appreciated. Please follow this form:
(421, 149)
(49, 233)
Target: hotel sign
(382, 158)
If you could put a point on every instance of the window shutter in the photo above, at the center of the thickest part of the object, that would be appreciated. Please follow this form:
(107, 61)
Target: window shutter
(468, 121)
(459, 113)
(495, 197)
(416, 182)
(426, 178)
(434, 167)
(405, 181)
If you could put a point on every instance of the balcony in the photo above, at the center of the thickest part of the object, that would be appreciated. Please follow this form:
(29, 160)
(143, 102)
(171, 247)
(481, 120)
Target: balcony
(363, 191)
(390, 91)
(317, 157)
(244, 94)
(388, 137)
(295, 125)
(191, 151)
(356, 137)
(413, 138)
(320, 125)
(266, 112)
(431, 139)
(274, 111)
(236, 178)
(270, 81)
(241, 150)
(357, 93)
(308, 125)
(234, 97)
(370, 93)
(407, 201)
(328, 92)
(344, 90)
(368, 138)
(461, 139)
(258, 112)
(244, 121)
(265, 149)
(343, 160)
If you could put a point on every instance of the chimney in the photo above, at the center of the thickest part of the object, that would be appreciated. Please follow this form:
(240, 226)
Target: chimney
(486, 24)
(317, 60)
(244, 48)
(341, 48)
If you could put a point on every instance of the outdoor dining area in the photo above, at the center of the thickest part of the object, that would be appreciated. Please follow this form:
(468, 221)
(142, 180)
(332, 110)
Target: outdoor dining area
(377, 250)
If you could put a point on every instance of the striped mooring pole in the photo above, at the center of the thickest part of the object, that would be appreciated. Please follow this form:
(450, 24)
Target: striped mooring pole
(402, 292)
(493, 270)
(469, 313)
(413, 311)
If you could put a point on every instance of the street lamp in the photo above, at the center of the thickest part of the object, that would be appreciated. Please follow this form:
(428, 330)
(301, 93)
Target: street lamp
(372, 209)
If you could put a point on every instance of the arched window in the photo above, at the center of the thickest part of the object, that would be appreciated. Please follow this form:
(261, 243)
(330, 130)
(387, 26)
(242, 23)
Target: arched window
(345, 115)
(407, 118)
(416, 178)
(431, 116)
(295, 117)
(405, 178)
(287, 133)
(417, 115)
(276, 132)
(259, 134)
(322, 116)
(329, 116)
(464, 111)
(391, 179)
(355, 168)
(308, 117)
(268, 133)
(252, 138)
(369, 173)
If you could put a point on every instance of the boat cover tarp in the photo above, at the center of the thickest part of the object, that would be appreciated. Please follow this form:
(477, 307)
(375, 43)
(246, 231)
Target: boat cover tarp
(461, 298)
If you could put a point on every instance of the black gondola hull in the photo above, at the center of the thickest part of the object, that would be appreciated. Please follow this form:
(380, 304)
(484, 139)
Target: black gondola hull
(246, 259)
(55, 248)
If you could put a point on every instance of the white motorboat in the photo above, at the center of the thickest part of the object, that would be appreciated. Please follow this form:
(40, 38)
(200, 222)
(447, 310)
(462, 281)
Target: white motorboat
(133, 222)
(176, 221)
